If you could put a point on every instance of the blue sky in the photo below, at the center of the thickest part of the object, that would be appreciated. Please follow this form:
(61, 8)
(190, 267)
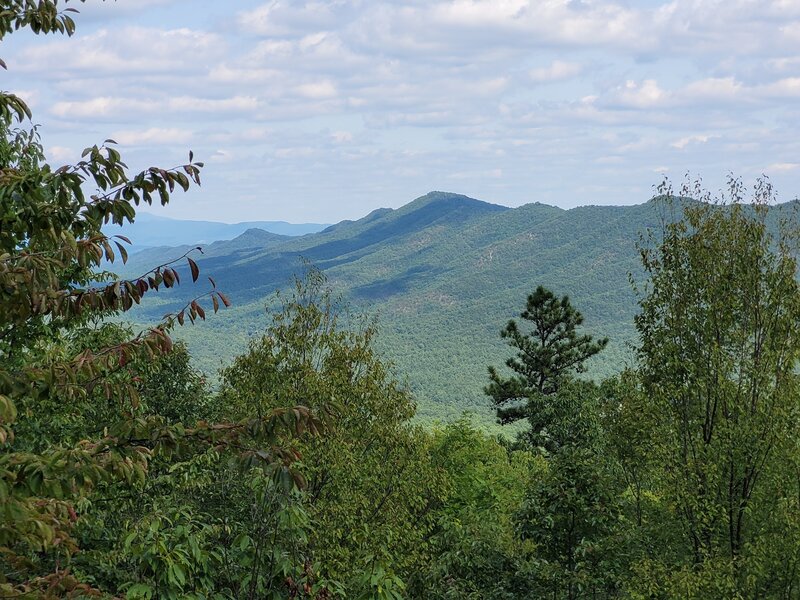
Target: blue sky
(325, 110)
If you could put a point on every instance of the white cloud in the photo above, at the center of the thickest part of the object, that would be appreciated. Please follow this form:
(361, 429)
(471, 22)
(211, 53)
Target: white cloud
(479, 174)
(62, 154)
(556, 71)
(226, 74)
(116, 52)
(285, 17)
(342, 137)
(154, 136)
(114, 106)
(235, 104)
(783, 167)
(647, 94)
(100, 107)
(791, 31)
(424, 90)
(317, 89)
(788, 87)
(783, 64)
(222, 157)
(297, 152)
(708, 92)
(681, 143)
(550, 21)
(481, 13)
(723, 89)
(111, 10)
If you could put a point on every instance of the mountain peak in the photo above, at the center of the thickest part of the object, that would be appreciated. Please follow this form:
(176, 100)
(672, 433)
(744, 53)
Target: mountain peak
(452, 200)
(252, 238)
(256, 233)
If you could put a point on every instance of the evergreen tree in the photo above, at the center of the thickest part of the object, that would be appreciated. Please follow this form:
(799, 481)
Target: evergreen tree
(547, 356)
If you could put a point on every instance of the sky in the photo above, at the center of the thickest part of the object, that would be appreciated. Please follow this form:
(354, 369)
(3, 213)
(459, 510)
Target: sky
(325, 110)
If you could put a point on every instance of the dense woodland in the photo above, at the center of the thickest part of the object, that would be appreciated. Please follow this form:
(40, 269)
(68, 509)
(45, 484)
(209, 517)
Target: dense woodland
(123, 473)
(442, 274)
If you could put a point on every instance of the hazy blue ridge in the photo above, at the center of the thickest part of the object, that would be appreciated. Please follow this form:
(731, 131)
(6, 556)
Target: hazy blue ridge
(150, 230)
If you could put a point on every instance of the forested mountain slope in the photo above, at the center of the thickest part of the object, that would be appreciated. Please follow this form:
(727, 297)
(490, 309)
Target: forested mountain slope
(443, 273)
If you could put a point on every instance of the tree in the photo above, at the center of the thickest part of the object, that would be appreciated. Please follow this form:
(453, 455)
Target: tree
(53, 370)
(475, 552)
(720, 341)
(569, 510)
(371, 488)
(547, 356)
(571, 514)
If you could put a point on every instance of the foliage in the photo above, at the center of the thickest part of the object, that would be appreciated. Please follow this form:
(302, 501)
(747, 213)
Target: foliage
(434, 282)
(719, 348)
(370, 485)
(571, 515)
(171, 554)
(547, 359)
(124, 473)
(547, 356)
(571, 510)
(59, 369)
(39, 17)
(477, 554)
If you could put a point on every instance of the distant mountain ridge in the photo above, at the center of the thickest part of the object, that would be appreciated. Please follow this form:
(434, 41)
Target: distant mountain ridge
(443, 273)
(150, 230)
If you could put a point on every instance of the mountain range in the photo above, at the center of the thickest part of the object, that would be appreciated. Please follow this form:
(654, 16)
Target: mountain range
(443, 274)
(151, 230)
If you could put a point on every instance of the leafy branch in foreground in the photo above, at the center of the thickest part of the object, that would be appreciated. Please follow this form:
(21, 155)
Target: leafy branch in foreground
(59, 369)
(39, 17)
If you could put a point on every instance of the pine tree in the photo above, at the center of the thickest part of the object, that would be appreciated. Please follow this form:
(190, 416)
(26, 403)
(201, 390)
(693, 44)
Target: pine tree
(547, 356)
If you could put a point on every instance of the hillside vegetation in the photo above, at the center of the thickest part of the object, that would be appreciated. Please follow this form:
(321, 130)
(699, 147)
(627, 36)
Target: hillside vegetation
(443, 274)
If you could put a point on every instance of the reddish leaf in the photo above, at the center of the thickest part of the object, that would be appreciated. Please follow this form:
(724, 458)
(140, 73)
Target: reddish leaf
(122, 252)
(194, 268)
